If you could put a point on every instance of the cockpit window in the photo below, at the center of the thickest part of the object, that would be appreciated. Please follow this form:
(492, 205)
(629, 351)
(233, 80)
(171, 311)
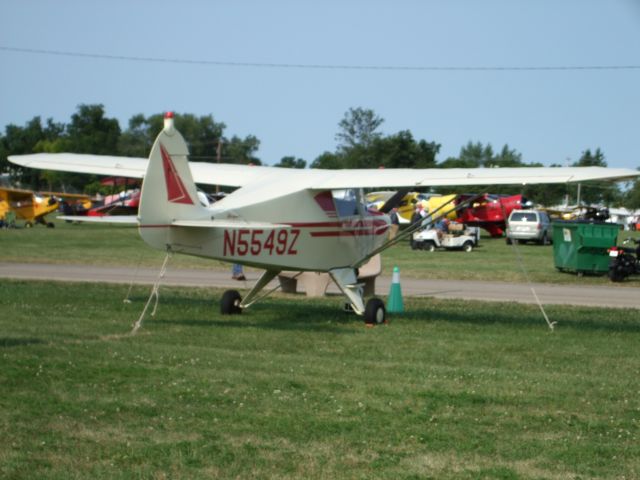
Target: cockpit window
(348, 201)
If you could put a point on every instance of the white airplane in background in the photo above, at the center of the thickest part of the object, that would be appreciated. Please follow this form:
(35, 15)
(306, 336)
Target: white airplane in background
(280, 219)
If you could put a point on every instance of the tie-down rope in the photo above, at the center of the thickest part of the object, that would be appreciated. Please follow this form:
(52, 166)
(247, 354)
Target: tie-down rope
(154, 293)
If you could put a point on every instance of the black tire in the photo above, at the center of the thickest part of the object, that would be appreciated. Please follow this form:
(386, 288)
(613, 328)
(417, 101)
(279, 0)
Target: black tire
(467, 246)
(374, 312)
(430, 246)
(615, 275)
(414, 244)
(230, 303)
(508, 241)
(51, 225)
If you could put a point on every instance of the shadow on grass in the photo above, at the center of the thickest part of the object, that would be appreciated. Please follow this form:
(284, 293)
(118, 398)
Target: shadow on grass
(275, 315)
(254, 320)
(577, 318)
(6, 342)
(303, 314)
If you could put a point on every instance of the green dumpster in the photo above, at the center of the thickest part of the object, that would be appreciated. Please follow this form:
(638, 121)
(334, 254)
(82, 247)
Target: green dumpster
(581, 247)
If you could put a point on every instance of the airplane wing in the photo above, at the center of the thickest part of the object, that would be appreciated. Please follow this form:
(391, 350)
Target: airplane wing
(83, 163)
(16, 195)
(132, 167)
(435, 177)
(241, 175)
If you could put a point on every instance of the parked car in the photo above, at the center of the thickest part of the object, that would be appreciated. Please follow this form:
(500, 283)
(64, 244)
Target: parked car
(529, 226)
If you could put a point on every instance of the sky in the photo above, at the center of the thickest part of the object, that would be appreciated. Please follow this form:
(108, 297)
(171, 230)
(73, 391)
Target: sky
(451, 94)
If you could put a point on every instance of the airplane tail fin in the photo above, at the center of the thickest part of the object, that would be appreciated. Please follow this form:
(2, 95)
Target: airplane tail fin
(168, 190)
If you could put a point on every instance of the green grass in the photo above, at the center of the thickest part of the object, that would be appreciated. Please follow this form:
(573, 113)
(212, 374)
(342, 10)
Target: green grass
(117, 245)
(297, 389)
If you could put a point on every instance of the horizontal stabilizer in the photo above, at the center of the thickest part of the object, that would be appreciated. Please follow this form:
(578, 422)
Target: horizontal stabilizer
(114, 219)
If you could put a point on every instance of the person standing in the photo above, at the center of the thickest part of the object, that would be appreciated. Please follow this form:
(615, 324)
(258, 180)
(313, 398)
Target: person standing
(395, 223)
(237, 272)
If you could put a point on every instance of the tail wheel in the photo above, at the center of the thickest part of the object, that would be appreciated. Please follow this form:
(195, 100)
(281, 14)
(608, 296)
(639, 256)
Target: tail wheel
(374, 312)
(230, 303)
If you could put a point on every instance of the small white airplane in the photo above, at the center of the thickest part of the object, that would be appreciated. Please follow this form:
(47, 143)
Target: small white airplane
(280, 219)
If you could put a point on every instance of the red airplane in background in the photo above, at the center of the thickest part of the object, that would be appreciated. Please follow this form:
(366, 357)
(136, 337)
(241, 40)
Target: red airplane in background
(490, 211)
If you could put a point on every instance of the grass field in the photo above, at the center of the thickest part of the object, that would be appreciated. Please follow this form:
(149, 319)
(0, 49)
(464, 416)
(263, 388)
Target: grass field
(116, 245)
(297, 389)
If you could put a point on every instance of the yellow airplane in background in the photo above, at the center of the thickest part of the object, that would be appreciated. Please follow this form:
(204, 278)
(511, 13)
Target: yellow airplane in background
(407, 206)
(17, 204)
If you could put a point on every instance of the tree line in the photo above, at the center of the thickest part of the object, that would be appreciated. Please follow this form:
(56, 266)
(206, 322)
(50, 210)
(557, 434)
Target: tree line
(360, 144)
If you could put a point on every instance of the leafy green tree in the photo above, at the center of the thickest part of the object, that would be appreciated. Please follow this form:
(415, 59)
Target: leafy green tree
(362, 146)
(506, 158)
(595, 193)
(328, 160)
(24, 140)
(477, 155)
(136, 141)
(90, 131)
(241, 150)
(632, 196)
(588, 159)
(291, 162)
(358, 128)
(472, 155)
(202, 134)
(402, 151)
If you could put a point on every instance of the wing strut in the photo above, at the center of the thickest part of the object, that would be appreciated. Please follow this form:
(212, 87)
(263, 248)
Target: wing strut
(262, 282)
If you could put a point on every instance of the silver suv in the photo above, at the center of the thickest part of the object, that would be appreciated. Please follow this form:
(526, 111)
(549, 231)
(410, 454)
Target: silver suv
(529, 225)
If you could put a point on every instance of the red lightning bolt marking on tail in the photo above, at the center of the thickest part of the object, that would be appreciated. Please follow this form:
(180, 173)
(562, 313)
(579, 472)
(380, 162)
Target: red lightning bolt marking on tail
(176, 191)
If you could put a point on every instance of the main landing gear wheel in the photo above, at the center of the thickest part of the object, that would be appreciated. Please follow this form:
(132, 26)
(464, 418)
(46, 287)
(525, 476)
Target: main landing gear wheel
(374, 312)
(230, 303)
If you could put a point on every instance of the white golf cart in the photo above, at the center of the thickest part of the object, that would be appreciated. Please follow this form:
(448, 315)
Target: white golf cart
(457, 237)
